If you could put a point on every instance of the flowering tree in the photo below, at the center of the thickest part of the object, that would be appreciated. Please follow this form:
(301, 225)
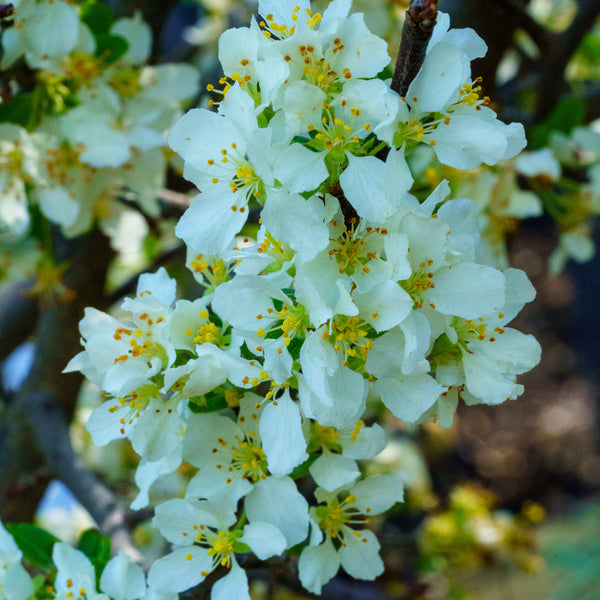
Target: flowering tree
(343, 276)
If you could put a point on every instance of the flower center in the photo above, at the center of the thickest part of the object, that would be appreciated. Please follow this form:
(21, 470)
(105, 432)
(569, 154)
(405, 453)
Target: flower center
(125, 81)
(250, 459)
(61, 162)
(221, 549)
(349, 336)
(351, 251)
(81, 68)
(420, 281)
(335, 515)
(207, 334)
(140, 342)
(213, 274)
(235, 166)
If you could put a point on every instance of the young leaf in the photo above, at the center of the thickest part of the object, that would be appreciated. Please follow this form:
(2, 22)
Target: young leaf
(34, 542)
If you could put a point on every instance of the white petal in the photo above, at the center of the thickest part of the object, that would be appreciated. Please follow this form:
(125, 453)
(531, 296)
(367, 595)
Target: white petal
(317, 565)
(490, 382)
(282, 437)
(276, 500)
(362, 185)
(378, 493)
(209, 224)
(369, 442)
(176, 517)
(360, 555)
(234, 586)
(436, 85)
(188, 563)
(468, 141)
(148, 472)
(138, 35)
(384, 306)
(16, 583)
(199, 137)
(264, 539)
(467, 290)
(408, 397)
(331, 471)
(123, 579)
(59, 206)
(54, 29)
(299, 169)
(299, 222)
(160, 285)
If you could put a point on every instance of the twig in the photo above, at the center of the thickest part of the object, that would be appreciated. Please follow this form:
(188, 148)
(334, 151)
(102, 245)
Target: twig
(416, 33)
(46, 415)
(6, 10)
(173, 255)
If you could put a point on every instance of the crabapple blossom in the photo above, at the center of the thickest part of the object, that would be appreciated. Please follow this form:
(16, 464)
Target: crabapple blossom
(356, 290)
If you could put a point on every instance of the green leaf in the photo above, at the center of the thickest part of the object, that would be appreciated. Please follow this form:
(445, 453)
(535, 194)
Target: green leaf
(34, 542)
(246, 353)
(211, 402)
(275, 332)
(97, 16)
(97, 548)
(111, 47)
(295, 346)
(385, 74)
(265, 117)
(567, 114)
(302, 470)
(19, 111)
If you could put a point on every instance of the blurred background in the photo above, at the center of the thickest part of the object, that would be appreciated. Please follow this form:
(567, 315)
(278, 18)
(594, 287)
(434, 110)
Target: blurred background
(504, 504)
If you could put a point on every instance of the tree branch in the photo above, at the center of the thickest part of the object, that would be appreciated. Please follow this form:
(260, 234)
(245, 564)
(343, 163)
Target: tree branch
(6, 10)
(23, 470)
(555, 63)
(46, 415)
(541, 36)
(418, 26)
(18, 314)
(175, 254)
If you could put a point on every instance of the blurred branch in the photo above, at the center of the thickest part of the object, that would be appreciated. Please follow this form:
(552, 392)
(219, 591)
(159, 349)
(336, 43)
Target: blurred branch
(175, 199)
(176, 254)
(592, 101)
(555, 62)
(46, 415)
(6, 10)
(24, 473)
(18, 313)
(418, 26)
(541, 36)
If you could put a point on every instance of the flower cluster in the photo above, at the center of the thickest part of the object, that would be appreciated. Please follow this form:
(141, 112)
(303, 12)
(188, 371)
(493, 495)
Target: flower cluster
(561, 180)
(94, 124)
(73, 576)
(353, 292)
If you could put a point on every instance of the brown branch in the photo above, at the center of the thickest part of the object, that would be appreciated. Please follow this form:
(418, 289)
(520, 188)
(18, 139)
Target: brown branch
(418, 26)
(24, 474)
(18, 314)
(6, 10)
(46, 415)
(175, 254)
